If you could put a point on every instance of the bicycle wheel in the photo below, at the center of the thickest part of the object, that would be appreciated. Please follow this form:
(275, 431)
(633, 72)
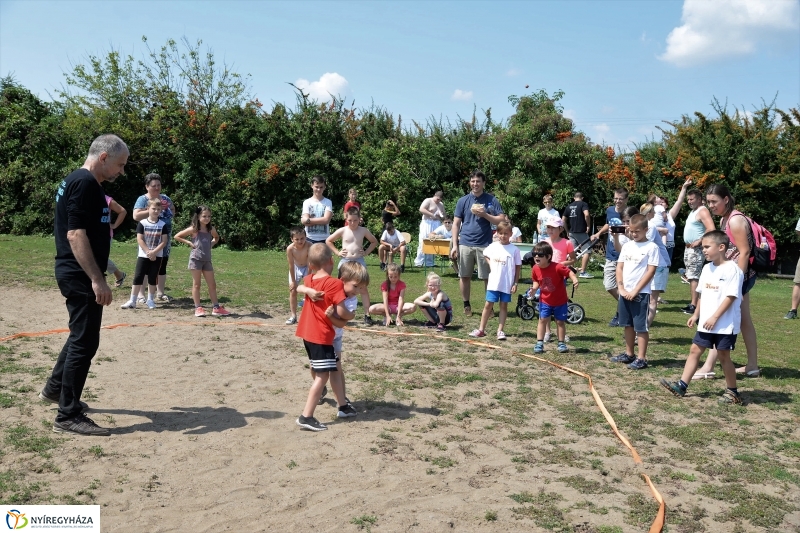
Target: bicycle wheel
(575, 313)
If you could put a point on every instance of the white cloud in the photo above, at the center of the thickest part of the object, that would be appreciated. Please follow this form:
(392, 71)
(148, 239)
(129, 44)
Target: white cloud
(464, 96)
(714, 29)
(601, 129)
(330, 83)
(513, 72)
(570, 114)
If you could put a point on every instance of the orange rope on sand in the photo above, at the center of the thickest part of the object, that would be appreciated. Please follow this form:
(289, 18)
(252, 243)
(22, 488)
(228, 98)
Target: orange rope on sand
(658, 523)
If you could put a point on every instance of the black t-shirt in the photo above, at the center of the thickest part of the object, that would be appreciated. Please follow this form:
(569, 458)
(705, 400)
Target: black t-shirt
(574, 213)
(81, 204)
(387, 217)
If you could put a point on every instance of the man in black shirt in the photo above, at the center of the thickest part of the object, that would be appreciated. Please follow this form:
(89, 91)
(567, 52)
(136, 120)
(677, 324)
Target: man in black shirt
(576, 217)
(82, 247)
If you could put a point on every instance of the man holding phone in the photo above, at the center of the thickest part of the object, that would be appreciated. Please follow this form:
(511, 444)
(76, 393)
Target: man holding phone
(613, 219)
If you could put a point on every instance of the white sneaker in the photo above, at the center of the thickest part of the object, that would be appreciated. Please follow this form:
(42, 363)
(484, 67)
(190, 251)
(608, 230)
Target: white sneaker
(141, 300)
(151, 304)
(130, 304)
(547, 336)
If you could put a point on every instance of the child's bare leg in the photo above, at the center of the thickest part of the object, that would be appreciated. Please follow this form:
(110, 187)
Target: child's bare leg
(365, 300)
(162, 282)
(403, 255)
(293, 302)
(135, 290)
(561, 329)
(629, 336)
(695, 353)
(408, 309)
(314, 393)
(644, 338)
(544, 325)
(442, 313)
(337, 384)
(212, 285)
(652, 307)
(488, 311)
(503, 315)
(196, 287)
(728, 368)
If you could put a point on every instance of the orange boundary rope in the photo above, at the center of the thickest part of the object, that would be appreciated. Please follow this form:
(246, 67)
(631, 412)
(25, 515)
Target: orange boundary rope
(658, 523)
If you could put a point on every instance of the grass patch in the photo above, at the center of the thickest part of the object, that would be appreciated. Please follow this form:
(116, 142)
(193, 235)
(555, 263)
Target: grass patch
(25, 439)
(543, 510)
(759, 509)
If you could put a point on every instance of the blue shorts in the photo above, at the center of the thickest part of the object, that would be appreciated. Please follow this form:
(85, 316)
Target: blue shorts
(497, 296)
(633, 313)
(660, 279)
(560, 312)
(720, 341)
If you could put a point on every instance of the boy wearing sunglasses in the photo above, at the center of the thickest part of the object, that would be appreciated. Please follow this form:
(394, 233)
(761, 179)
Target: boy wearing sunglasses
(553, 299)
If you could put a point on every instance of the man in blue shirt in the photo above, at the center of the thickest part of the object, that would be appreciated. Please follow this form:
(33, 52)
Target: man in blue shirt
(472, 232)
(613, 218)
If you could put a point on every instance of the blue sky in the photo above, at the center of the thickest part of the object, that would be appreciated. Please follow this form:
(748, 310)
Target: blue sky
(624, 66)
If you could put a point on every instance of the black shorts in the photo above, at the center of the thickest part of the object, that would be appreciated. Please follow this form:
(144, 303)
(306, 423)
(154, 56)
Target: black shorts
(720, 341)
(321, 357)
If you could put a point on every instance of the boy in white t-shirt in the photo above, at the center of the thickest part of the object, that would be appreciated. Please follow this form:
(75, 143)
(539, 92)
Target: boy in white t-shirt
(636, 267)
(392, 242)
(445, 231)
(317, 213)
(505, 263)
(718, 316)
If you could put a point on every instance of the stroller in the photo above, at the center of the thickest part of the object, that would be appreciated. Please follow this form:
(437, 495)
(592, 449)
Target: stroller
(528, 303)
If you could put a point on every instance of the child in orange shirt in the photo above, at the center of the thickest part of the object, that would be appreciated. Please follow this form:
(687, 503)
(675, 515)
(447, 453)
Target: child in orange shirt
(317, 331)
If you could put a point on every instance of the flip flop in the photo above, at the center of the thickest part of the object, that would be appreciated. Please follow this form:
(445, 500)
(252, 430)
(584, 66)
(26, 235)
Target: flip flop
(704, 375)
(751, 373)
(118, 283)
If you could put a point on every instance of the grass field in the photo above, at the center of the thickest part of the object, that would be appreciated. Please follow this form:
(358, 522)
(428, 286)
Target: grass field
(742, 462)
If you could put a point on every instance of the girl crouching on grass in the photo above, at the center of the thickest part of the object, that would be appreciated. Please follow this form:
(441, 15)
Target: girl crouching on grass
(435, 304)
(203, 237)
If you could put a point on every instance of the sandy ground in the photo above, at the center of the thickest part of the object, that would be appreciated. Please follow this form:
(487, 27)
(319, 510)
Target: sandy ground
(204, 435)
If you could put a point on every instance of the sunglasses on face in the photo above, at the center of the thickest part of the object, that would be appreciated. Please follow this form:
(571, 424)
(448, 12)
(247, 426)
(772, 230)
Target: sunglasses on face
(539, 255)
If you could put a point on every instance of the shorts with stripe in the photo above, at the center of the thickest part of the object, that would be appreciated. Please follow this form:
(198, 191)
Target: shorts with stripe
(321, 357)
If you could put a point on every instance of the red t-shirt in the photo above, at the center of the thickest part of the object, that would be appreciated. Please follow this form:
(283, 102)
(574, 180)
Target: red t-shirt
(394, 295)
(551, 280)
(314, 326)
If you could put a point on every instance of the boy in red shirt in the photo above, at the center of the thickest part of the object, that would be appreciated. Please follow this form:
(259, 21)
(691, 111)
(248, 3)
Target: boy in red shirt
(553, 298)
(316, 330)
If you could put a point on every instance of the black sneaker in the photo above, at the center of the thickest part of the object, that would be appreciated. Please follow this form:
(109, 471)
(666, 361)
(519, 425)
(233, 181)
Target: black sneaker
(402, 268)
(367, 320)
(791, 315)
(347, 411)
(81, 425)
(51, 399)
(622, 358)
(674, 387)
(614, 322)
(383, 267)
(638, 364)
(689, 309)
(310, 423)
(322, 396)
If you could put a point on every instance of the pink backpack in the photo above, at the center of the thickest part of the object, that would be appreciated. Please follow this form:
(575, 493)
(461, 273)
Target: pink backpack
(764, 249)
